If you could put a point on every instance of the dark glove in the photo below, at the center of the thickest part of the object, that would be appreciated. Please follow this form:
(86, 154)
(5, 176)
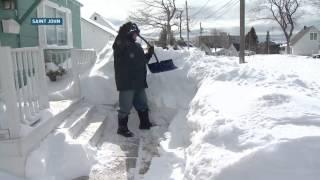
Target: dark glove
(151, 50)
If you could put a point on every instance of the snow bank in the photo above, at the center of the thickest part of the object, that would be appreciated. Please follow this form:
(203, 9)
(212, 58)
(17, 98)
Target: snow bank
(62, 89)
(59, 157)
(98, 85)
(294, 160)
(224, 119)
(257, 117)
(258, 120)
(6, 176)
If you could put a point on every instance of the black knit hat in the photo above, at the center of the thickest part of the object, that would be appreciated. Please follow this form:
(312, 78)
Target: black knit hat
(134, 29)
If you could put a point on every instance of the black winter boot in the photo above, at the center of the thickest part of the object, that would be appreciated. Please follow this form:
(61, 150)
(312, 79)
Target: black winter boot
(123, 127)
(144, 120)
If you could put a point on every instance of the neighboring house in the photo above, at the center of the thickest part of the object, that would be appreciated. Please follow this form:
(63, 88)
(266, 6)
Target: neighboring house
(17, 31)
(222, 40)
(103, 21)
(306, 42)
(95, 35)
(215, 41)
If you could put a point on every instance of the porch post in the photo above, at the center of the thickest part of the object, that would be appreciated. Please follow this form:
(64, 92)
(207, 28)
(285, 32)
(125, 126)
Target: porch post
(74, 61)
(44, 98)
(9, 94)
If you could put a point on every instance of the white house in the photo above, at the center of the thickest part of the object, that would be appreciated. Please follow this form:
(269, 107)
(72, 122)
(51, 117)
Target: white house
(94, 35)
(306, 42)
(103, 21)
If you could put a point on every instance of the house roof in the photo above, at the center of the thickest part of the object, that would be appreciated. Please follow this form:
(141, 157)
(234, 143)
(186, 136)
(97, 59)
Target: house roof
(300, 34)
(111, 25)
(111, 31)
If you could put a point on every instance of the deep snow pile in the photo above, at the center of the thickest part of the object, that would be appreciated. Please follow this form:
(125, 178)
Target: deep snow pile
(258, 120)
(254, 121)
(224, 119)
(60, 157)
(98, 85)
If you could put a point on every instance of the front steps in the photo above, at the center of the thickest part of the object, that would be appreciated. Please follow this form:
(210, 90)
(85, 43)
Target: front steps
(85, 125)
(14, 153)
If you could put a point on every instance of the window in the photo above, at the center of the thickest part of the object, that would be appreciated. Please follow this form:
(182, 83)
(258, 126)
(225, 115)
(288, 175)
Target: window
(56, 34)
(8, 4)
(313, 36)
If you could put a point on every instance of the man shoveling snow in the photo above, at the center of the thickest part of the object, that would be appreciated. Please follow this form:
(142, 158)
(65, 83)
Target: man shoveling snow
(130, 74)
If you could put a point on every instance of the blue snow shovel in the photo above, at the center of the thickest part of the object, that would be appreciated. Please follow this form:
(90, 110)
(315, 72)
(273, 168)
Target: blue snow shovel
(159, 66)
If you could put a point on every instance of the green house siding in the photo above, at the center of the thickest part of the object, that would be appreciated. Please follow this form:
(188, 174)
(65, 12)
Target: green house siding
(9, 40)
(29, 35)
(5, 38)
(76, 24)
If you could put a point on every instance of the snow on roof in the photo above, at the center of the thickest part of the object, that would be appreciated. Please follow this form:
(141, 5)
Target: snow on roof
(300, 34)
(112, 26)
(111, 31)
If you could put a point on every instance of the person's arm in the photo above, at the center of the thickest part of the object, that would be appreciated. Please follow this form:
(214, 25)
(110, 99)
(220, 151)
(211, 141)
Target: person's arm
(149, 54)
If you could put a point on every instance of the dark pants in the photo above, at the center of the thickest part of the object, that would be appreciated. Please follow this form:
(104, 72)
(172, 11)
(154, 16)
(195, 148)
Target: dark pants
(129, 98)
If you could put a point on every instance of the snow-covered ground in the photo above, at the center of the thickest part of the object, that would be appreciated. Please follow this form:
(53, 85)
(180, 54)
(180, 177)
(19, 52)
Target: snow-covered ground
(260, 120)
(216, 120)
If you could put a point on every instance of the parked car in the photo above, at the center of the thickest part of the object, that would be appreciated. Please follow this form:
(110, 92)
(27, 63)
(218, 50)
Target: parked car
(316, 56)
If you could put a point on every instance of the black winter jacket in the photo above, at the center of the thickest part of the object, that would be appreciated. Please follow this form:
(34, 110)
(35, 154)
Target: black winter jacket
(130, 65)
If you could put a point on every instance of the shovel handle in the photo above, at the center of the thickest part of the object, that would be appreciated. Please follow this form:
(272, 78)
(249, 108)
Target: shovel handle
(149, 46)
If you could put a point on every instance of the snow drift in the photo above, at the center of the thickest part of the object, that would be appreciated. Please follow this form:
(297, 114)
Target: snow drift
(258, 120)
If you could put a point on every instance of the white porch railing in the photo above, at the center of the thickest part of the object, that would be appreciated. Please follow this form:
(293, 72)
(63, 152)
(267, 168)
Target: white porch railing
(23, 85)
(24, 88)
(60, 57)
(82, 60)
(68, 65)
(8, 100)
(30, 83)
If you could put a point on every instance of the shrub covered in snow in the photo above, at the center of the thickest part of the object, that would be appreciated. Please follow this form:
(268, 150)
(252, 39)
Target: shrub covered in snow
(53, 70)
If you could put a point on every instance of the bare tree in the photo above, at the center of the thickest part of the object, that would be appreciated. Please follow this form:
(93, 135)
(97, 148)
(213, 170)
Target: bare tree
(284, 12)
(315, 3)
(180, 17)
(158, 14)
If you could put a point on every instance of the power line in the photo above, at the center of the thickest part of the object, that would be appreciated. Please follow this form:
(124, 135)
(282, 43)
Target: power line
(228, 9)
(221, 11)
(204, 5)
(223, 8)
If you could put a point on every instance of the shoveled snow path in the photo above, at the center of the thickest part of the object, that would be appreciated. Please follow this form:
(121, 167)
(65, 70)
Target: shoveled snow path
(117, 156)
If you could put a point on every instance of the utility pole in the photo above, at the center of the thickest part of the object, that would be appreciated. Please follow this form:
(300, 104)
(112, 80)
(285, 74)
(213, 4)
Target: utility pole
(187, 24)
(268, 42)
(180, 24)
(200, 34)
(242, 30)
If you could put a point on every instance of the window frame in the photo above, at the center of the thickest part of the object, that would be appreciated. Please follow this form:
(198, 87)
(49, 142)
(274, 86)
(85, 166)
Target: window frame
(313, 36)
(57, 28)
(42, 29)
(12, 4)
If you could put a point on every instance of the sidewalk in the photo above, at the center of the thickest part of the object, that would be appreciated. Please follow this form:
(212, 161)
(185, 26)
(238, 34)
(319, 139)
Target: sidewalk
(117, 155)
